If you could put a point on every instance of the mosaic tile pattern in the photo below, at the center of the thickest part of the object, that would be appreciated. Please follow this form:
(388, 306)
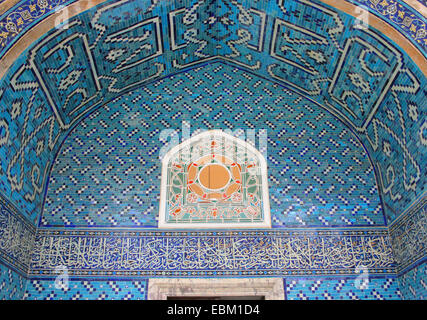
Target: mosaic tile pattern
(107, 172)
(414, 283)
(12, 284)
(296, 289)
(384, 131)
(45, 77)
(342, 289)
(355, 74)
(87, 290)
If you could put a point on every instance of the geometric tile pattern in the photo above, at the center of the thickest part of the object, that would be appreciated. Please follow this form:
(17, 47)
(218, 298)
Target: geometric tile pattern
(342, 289)
(56, 82)
(107, 172)
(356, 74)
(413, 283)
(87, 290)
(190, 254)
(397, 136)
(12, 284)
(296, 289)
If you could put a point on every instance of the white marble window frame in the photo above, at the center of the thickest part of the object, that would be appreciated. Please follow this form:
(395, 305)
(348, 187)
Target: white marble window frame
(162, 288)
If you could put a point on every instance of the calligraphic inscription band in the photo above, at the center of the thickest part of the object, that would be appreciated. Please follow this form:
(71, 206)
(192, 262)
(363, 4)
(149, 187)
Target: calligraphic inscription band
(211, 253)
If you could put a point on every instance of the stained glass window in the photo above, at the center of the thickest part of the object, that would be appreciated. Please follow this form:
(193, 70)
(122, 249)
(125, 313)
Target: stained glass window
(214, 180)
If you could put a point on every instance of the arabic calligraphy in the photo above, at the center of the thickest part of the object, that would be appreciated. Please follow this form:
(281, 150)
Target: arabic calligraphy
(272, 252)
(409, 235)
(16, 239)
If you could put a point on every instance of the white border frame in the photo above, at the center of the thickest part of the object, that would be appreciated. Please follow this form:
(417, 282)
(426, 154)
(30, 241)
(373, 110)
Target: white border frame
(264, 188)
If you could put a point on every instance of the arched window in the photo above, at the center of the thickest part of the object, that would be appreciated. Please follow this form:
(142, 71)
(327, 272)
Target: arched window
(214, 180)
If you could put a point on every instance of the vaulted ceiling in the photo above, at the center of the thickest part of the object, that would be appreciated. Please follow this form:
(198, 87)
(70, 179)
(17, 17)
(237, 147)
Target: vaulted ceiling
(369, 73)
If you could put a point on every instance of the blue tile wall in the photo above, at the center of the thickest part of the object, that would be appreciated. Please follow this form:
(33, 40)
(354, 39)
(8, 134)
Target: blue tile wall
(12, 284)
(357, 75)
(342, 289)
(107, 172)
(87, 290)
(397, 154)
(414, 283)
(45, 78)
(296, 289)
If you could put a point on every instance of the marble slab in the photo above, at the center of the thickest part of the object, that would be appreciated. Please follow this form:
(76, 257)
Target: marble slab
(270, 288)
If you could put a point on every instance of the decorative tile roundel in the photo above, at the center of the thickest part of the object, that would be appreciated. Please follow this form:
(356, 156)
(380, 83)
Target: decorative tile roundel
(214, 180)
